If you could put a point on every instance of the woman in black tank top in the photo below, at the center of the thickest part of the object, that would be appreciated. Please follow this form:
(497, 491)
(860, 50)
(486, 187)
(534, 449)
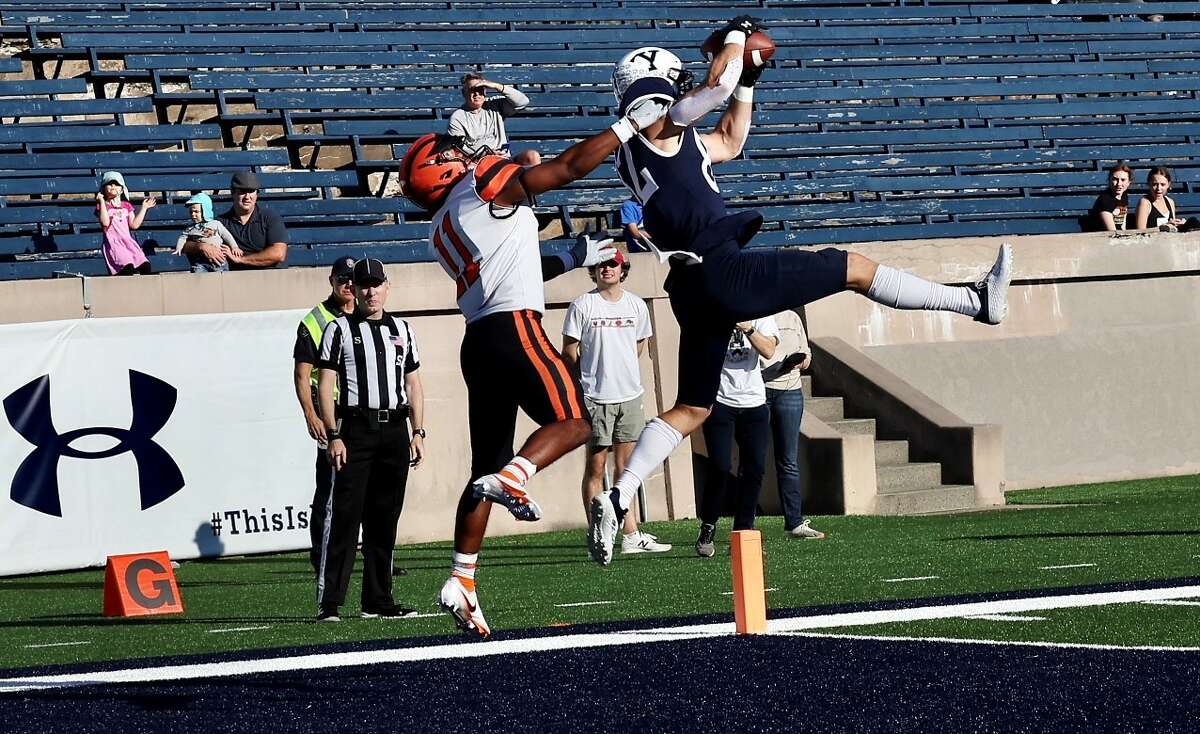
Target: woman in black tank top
(1156, 210)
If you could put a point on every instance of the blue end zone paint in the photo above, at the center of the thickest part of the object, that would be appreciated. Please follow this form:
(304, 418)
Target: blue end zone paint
(634, 624)
(760, 684)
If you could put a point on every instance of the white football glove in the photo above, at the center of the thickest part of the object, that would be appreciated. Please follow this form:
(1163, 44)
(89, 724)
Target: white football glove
(588, 252)
(646, 112)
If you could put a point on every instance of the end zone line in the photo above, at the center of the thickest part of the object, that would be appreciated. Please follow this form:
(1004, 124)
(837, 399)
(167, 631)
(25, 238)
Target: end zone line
(971, 641)
(792, 625)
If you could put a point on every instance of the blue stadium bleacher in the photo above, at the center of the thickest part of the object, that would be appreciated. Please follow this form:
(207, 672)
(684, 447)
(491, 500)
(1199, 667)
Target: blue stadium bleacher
(903, 119)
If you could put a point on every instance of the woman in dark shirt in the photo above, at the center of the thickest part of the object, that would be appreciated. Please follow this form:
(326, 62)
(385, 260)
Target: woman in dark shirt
(1156, 210)
(1109, 211)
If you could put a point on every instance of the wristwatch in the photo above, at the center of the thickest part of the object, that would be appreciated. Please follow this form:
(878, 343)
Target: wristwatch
(749, 331)
(331, 434)
(419, 432)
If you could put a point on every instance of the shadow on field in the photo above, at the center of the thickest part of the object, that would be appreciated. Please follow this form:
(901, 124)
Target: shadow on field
(52, 585)
(96, 620)
(1097, 534)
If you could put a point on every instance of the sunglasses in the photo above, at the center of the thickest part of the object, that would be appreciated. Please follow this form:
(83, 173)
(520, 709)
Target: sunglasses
(343, 279)
(477, 90)
(609, 264)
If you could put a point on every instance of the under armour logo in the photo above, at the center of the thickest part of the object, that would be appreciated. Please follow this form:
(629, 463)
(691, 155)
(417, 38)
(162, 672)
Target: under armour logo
(35, 485)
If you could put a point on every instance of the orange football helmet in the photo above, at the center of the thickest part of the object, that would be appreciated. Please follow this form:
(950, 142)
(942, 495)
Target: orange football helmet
(430, 168)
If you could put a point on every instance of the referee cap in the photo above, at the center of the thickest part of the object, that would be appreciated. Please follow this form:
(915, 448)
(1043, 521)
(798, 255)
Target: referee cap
(369, 271)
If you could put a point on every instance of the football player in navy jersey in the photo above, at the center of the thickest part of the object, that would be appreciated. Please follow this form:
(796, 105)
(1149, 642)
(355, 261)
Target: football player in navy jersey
(714, 283)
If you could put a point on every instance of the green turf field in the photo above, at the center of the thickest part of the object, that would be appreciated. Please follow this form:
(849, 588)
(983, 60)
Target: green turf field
(1124, 531)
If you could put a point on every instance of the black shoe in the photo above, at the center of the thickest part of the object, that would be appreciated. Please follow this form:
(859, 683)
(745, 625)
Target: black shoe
(388, 612)
(705, 547)
(328, 614)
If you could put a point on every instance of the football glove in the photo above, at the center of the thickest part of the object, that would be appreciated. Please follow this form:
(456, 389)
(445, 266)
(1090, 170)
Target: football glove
(588, 252)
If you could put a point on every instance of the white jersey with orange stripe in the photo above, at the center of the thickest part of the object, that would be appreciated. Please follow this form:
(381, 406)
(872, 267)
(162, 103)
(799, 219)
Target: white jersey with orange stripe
(492, 253)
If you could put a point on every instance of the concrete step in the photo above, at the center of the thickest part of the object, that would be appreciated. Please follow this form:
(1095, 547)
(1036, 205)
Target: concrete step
(827, 409)
(862, 426)
(905, 477)
(806, 385)
(889, 453)
(943, 498)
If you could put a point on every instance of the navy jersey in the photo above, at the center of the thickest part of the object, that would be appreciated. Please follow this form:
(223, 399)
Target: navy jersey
(678, 192)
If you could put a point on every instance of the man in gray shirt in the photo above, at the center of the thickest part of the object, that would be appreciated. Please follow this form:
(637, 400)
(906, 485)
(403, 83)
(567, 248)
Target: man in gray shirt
(480, 121)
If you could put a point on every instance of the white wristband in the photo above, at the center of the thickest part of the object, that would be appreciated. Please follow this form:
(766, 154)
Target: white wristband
(743, 94)
(624, 129)
(738, 37)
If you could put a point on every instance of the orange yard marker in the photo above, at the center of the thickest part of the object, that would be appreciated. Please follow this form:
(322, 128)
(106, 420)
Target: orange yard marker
(749, 583)
(137, 584)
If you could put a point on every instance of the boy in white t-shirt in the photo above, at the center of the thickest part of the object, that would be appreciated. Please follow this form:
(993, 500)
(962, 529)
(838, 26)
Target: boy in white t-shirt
(604, 334)
(740, 411)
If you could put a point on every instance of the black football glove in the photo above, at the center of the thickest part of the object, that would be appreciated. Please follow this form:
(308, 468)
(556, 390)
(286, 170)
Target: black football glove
(745, 24)
(750, 74)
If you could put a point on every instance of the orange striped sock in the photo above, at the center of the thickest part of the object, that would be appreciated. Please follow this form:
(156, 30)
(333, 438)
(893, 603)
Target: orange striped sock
(516, 473)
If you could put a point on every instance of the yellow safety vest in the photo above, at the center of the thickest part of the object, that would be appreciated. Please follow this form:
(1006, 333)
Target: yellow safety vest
(315, 322)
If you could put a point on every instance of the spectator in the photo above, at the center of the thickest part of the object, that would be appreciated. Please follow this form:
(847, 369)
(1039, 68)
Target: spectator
(631, 226)
(604, 334)
(122, 253)
(1109, 211)
(1157, 210)
(206, 230)
(480, 121)
(258, 231)
(785, 399)
(740, 412)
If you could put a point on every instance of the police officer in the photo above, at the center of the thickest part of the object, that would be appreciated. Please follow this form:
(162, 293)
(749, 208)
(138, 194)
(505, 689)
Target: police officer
(372, 356)
(308, 343)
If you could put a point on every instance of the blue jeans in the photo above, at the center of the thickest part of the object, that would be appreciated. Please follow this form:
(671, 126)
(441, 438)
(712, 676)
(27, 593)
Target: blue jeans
(750, 428)
(787, 408)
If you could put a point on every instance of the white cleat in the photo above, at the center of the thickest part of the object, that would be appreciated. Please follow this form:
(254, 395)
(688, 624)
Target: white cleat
(993, 288)
(602, 530)
(640, 542)
(463, 605)
(519, 503)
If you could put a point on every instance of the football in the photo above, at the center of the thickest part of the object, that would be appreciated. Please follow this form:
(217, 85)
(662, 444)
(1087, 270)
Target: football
(759, 48)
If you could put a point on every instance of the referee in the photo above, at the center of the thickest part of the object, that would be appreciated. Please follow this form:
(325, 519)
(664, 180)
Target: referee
(372, 356)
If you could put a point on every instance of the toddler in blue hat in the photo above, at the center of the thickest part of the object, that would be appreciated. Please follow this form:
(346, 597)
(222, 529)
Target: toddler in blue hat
(208, 231)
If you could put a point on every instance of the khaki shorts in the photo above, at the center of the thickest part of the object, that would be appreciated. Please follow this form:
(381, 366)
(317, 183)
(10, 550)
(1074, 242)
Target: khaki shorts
(614, 423)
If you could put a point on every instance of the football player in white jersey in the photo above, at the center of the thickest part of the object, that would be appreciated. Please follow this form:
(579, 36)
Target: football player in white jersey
(715, 282)
(485, 235)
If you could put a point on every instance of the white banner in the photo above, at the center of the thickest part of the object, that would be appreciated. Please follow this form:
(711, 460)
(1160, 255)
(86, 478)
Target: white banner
(123, 435)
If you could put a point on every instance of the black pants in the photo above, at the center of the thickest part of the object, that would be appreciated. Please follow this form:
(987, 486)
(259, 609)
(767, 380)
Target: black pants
(320, 507)
(751, 428)
(367, 491)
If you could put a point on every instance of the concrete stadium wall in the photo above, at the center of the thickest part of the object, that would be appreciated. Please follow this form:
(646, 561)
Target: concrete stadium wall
(1092, 377)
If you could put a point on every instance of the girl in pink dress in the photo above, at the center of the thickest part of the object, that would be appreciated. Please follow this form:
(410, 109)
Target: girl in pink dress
(122, 252)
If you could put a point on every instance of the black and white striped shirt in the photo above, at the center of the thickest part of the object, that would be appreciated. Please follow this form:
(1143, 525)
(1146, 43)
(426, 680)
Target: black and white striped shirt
(371, 358)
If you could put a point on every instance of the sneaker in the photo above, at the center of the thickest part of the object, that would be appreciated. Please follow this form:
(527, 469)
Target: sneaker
(463, 605)
(388, 612)
(804, 531)
(705, 547)
(640, 542)
(993, 288)
(602, 531)
(328, 614)
(520, 504)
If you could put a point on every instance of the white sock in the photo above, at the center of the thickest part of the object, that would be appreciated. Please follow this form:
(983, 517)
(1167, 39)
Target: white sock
(516, 473)
(656, 443)
(464, 568)
(898, 289)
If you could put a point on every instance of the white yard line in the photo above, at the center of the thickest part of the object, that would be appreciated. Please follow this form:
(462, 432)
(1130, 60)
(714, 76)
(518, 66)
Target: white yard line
(1017, 643)
(585, 604)
(1175, 603)
(242, 629)
(56, 644)
(1006, 618)
(465, 650)
(909, 578)
(1069, 565)
(730, 593)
